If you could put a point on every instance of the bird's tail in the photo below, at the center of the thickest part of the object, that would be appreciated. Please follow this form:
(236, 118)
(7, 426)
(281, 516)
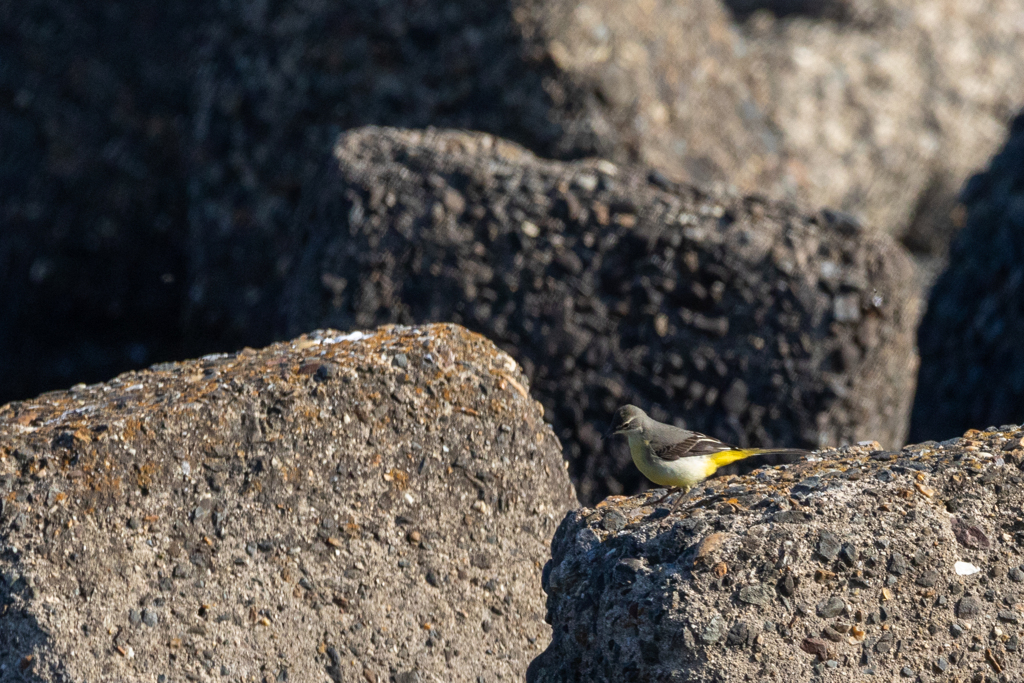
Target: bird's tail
(767, 456)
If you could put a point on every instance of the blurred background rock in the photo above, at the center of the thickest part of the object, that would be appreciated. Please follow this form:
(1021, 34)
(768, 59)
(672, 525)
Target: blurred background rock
(154, 155)
(93, 124)
(972, 358)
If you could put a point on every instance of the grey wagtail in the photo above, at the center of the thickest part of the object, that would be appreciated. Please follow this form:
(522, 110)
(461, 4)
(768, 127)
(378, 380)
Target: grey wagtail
(678, 458)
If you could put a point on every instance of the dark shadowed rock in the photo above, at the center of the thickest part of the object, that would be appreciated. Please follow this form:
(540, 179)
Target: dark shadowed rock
(92, 194)
(339, 516)
(566, 80)
(153, 152)
(706, 568)
(972, 361)
(745, 319)
(853, 104)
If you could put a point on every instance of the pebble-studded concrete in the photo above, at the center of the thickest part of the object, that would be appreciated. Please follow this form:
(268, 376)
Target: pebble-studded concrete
(858, 564)
(345, 506)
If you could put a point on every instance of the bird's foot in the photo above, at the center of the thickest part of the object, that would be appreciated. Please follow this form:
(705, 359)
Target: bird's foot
(682, 497)
(669, 492)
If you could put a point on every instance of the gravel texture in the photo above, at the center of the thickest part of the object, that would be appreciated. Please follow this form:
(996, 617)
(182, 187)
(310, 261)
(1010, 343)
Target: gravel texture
(972, 360)
(371, 506)
(858, 564)
(752, 321)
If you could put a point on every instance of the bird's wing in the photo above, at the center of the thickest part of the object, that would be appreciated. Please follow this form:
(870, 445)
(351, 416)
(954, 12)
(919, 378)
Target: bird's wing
(694, 444)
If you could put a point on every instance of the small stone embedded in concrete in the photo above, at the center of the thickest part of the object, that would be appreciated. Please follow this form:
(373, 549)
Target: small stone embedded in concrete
(830, 608)
(740, 634)
(831, 634)
(587, 539)
(846, 308)
(928, 579)
(970, 534)
(898, 564)
(756, 594)
(326, 371)
(1009, 616)
(481, 561)
(200, 513)
(791, 517)
(815, 646)
(787, 585)
(965, 568)
(614, 520)
(689, 642)
(805, 487)
(828, 545)
(969, 607)
(714, 630)
(626, 569)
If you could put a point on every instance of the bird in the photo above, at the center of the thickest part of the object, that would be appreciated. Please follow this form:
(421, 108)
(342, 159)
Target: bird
(678, 458)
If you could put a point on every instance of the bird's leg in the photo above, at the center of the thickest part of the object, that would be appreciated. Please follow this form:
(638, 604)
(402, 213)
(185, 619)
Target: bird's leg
(669, 492)
(682, 496)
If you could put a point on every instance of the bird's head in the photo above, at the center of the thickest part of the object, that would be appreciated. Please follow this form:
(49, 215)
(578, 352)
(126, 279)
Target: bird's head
(629, 419)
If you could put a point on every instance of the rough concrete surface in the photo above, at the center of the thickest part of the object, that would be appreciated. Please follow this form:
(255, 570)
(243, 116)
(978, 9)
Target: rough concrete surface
(972, 359)
(365, 506)
(857, 565)
(751, 320)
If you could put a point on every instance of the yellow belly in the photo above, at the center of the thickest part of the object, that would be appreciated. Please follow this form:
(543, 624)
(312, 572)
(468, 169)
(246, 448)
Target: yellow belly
(683, 473)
